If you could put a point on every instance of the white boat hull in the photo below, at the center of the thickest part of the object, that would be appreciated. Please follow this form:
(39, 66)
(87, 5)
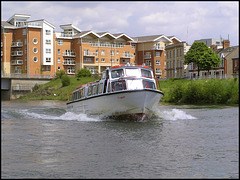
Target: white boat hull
(131, 102)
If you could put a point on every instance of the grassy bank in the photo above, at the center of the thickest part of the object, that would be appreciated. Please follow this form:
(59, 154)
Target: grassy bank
(213, 91)
(53, 90)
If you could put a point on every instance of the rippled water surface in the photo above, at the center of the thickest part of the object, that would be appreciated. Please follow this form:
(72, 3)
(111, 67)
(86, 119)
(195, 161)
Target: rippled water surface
(40, 139)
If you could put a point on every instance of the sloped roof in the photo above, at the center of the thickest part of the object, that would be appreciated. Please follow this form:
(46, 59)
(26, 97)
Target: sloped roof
(151, 38)
(5, 24)
(226, 51)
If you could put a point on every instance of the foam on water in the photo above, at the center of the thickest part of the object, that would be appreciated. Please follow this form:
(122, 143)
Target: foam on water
(174, 114)
(66, 116)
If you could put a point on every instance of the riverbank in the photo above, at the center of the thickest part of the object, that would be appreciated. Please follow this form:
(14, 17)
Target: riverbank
(178, 91)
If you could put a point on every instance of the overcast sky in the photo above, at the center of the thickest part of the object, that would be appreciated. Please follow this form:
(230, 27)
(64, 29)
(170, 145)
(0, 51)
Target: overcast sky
(186, 20)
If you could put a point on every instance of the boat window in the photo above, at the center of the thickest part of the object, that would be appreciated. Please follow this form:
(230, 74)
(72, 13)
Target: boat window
(132, 72)
(149, 84)
(78, 94)
(103, 75)
(82, 92)
(100, 88)
(94, 91)
(146, 73)
(89, 90)
(118, 85)
(134, 84)
(117, 73)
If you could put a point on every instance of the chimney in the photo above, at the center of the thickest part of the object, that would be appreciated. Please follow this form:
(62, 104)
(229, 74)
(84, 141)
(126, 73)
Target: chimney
(226, 43)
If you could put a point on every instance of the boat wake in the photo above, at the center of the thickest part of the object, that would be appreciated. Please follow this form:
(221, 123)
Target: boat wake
(67, 116)
(62, 114)
(174, 114)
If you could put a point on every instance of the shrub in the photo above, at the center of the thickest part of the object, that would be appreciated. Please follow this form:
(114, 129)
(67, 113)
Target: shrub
(35, 87)
(65, 81)
(60, 74)
(83, 73)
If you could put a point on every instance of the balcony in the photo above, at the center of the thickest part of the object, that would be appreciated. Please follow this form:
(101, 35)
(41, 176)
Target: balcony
(16, 53)
(69, 62)
(106, 45)
(90, 54)
(126, 55)
(17, 62)
(71, 71)
(158, 48)
(69, 54)
(17, 44)
(148, 56)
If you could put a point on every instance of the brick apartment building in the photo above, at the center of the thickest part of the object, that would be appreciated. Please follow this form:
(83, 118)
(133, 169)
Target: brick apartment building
(33, 48)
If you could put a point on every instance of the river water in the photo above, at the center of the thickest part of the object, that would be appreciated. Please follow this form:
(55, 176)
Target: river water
(40, 139)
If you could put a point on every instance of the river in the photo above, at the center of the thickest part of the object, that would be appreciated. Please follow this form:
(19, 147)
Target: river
(40, 139)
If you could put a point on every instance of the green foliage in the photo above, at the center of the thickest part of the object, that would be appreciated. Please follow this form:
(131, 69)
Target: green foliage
(209, 60)
(224, 91)
(60, 74)
(195, 52)
(83, 73)
(35, 87)
(204, 57)
(65, 81)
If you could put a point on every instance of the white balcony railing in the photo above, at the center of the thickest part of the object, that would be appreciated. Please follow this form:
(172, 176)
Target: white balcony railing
(158, 48)
(16, 53)
(147, 56)
(126, 55)
(69, 54)
(17, 62)
(17, 44)
(71, 71)
(69, 62)
(94, 54)
(106, 45)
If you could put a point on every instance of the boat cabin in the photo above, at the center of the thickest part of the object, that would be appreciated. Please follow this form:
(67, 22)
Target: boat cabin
(117, 78)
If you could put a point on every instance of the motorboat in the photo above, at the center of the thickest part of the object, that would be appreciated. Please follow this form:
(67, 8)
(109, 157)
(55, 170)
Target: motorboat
(122, 91)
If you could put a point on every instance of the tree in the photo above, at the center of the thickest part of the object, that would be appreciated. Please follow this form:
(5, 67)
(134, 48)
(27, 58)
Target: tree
(209, 60)
(194, 54)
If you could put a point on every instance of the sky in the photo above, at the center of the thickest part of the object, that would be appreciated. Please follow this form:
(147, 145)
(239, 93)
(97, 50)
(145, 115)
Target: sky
(187, 20)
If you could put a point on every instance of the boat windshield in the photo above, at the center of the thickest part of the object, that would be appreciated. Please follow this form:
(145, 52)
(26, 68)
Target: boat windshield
(117, 73)
(149, 84)
(132, 72)
(118, 85)
(134, 84)
(146, 73)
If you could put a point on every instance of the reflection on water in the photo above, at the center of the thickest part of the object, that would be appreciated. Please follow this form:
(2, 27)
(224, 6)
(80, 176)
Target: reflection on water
(41, 139)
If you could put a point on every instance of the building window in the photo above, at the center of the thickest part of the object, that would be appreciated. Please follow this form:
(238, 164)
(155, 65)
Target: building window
(102, 60)
(87, 60)
(48, 51)
(59, 60)
(59, 68)
(35, 41)
(48, 68)
(157, 54)
(59, 52)
(111, 53)
(35, 59)
(133, 46)
(24, 32)
(35, 50)
(96, 59)
(60, 42)
(157, 62)
(103, 52)
(48, 32)
(48, 41)
(48, 59)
